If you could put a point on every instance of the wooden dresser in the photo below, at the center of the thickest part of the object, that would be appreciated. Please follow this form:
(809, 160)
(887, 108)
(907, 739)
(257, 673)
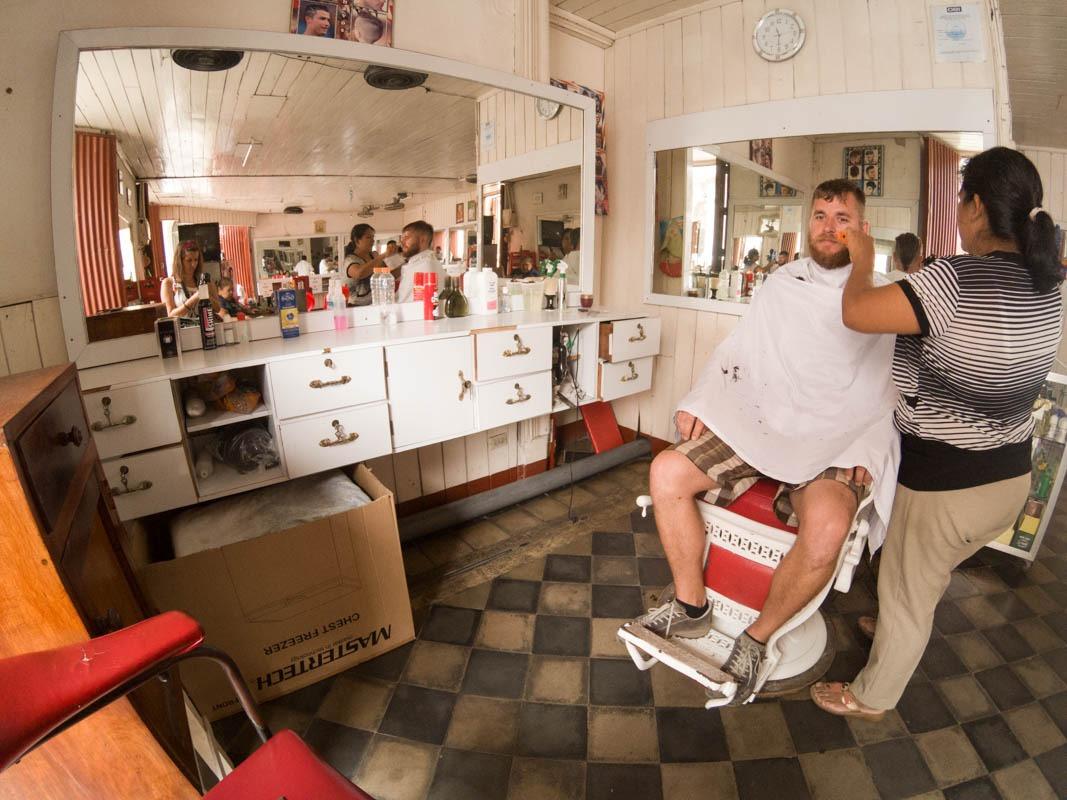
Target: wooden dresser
(64, 578)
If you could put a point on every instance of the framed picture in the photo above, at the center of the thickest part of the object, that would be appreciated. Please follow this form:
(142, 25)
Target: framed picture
(760, 151)
(768, 187)
(864, 165)
(459, 212)
(314, 18)
(366, 21)
(472, 207)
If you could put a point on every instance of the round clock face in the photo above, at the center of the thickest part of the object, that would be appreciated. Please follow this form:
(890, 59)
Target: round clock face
(779, 35)
(547, 108)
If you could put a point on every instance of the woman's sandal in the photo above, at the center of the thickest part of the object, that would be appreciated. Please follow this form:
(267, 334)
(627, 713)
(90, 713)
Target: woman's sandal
(835, 698)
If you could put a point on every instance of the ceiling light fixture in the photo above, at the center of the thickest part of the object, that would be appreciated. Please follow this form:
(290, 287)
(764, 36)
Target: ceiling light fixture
(202, 60)
(250, 144)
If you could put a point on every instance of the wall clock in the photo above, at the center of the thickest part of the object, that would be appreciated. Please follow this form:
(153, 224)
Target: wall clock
(547, 109)
(779, 35)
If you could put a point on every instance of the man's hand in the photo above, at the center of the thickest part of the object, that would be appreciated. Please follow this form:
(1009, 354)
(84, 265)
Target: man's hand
(860, 248)
(688, 426)
(860, 476)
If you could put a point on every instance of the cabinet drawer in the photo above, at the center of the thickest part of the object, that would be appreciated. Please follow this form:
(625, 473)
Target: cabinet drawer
(624, 378)
(512, 399)
(313, 384)
(132, 419)
(430, 395)
(628, 339)
(50, 449)
(155, 481)
(499, 354)
(326, 441)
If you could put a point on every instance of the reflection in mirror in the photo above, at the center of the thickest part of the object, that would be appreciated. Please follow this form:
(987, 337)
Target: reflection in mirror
(539, 221)
(283, 154)
(727, 215)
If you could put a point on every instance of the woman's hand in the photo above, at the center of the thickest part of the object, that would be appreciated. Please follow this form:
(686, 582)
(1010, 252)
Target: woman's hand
(688, 426)
(860, 248)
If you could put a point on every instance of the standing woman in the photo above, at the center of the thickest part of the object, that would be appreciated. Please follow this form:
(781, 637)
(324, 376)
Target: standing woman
(178, 290)
(977, 335)
(360, 263)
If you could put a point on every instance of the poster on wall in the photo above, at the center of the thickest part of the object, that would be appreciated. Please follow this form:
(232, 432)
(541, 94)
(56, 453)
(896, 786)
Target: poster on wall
(768, 187)
(863, 165)
(366, 21)
(601, 172)
(760, 151)
(958, 33)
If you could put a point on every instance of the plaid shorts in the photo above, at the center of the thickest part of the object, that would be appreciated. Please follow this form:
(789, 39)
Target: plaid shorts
(733, 476)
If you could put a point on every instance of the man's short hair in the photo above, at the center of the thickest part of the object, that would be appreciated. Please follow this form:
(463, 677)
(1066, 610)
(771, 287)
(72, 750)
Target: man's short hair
(839, 189)
(420, 226)
(907, 248)
(311, 9)
(373, 20)
(391, 241)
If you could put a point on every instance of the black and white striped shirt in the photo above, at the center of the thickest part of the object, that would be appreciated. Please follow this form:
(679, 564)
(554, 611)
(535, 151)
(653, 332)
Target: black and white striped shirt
(968, 381)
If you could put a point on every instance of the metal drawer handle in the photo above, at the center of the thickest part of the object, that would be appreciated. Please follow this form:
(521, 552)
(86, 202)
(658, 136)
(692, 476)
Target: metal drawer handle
(521, 350)
(641, 334)
(129, 419)
(464, 385)
(74, 437)
(317, 384)
(520, 396)
(340, 437)
(124, 477)
(633, 376)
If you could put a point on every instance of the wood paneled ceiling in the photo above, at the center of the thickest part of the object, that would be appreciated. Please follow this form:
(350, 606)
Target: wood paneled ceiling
(321, 137)
(617, 15)
(1035, 33)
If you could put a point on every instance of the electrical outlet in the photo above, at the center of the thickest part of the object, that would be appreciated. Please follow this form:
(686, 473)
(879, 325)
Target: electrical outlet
(498, 441)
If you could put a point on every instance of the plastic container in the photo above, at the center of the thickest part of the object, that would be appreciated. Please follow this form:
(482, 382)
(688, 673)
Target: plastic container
(488, 287)
(335, 300)
(416, 290)
(288, 316)
(429, 297)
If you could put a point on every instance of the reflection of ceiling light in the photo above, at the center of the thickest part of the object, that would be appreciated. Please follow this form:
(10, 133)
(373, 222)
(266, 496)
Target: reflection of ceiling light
(393, 78)
(207, 60)
(249, 144)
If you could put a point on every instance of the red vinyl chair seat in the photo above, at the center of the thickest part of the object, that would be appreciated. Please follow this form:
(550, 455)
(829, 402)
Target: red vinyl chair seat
(285, 767)
(40, 691)
(757, 504)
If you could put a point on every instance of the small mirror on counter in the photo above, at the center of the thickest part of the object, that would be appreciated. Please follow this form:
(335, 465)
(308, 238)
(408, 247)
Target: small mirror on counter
(727, 215)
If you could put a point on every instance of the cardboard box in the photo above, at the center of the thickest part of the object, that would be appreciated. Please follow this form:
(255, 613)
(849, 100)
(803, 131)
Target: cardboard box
(293, 607)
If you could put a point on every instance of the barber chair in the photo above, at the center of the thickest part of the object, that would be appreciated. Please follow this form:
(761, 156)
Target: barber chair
(44, 693)
(744, 543)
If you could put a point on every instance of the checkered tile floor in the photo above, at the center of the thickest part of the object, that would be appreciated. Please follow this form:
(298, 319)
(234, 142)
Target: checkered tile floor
(518, 688)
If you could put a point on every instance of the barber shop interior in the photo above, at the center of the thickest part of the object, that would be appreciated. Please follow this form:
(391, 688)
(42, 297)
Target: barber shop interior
(533, 400)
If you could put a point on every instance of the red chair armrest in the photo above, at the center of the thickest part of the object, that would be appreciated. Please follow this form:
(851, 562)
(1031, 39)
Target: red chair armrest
(41, 691)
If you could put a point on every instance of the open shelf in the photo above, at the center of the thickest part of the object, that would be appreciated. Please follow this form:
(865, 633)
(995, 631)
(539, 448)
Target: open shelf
(215, 418)
(225, 480)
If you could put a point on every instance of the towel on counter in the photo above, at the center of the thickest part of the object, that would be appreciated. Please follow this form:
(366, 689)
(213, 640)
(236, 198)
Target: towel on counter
(793, 391)
(262, 511)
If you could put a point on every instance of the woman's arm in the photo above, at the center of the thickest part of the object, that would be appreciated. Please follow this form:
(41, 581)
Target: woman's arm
(359, 271)
(166, 289)
(868, 308)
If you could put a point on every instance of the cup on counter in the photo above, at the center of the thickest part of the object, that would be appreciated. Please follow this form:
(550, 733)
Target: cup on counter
(585, 301)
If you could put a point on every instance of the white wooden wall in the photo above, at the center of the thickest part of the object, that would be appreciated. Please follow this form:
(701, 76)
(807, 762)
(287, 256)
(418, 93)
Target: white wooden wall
(31, 336)
(705, 61)
(1052, 167)
(518, 129)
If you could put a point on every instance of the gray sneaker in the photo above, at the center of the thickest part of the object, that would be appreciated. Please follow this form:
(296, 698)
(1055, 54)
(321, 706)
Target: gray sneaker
(743, 664)
(670, 619)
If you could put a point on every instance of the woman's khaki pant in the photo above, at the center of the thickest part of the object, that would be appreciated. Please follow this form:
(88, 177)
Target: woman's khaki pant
(929, 534)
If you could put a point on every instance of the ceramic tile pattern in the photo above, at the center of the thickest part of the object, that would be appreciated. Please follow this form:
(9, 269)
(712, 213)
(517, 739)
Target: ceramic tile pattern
(518, 688)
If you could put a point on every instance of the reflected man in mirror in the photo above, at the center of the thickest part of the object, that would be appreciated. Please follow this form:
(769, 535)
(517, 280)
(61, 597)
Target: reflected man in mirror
(416, 241)
(907, 256)
(793, 396)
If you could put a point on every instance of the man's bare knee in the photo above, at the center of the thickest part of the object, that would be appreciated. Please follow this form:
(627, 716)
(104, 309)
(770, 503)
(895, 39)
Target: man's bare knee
(674, 476)
(825, 511)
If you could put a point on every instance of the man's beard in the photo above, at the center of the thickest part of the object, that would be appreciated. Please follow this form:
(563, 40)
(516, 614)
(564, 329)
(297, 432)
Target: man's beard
(827, 260)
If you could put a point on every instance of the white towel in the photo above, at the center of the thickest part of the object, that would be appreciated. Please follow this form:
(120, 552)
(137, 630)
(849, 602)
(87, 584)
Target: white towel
(793, 391)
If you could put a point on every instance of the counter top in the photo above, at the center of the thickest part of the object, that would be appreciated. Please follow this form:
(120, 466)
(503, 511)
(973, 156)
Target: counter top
(196, 362)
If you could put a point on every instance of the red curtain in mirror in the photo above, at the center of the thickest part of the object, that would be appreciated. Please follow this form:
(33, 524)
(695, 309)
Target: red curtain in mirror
(96, 216)
(237, 248)
(155, 231)
(942, 188)
(789, 244)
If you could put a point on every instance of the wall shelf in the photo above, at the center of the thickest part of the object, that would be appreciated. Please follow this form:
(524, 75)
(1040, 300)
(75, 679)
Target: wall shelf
(226, 480)
(216, 418)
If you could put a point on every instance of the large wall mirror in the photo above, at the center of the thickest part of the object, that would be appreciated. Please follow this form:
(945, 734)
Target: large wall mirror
(271, 161)
(722, 215)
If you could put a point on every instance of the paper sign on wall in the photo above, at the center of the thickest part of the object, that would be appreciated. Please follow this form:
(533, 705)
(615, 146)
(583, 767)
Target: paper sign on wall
(488, 136)
(958, 33)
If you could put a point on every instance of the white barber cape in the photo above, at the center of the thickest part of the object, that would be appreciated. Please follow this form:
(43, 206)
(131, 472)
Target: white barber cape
(793, 391)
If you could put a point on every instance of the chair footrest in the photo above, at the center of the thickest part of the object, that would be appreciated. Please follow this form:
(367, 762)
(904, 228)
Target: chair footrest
(701, 659)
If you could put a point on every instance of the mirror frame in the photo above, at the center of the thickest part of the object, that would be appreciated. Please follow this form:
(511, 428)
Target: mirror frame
(925, 110)
(72, 43)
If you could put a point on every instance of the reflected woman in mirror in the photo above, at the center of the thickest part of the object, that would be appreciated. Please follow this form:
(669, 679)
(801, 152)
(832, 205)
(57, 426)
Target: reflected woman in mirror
(178, 290)
(360, 262)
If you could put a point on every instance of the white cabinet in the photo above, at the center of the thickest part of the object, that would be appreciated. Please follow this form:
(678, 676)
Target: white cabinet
(500, 354)
(511, 399)
(132, 419)
(313, 384)
(629, 339)
(326, 441)
(431, 390)
(625, 378)
(150, 482)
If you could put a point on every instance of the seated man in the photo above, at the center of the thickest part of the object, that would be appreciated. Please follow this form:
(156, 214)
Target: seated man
(795, 396)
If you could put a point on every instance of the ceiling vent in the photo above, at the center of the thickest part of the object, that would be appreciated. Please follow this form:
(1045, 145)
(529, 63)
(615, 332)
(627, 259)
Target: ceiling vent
(397, 204)
(393, 78)
(292, 210)
(366, 212)
(207, 60)
(472, 178)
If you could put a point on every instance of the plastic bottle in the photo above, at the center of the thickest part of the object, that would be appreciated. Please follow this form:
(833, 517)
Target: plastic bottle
(429, 297)
(336, 301)
(488, 287)
(388, 287)
(206, 315)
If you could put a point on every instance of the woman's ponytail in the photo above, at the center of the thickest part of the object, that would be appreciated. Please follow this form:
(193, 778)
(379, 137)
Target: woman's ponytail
(1010, 188)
